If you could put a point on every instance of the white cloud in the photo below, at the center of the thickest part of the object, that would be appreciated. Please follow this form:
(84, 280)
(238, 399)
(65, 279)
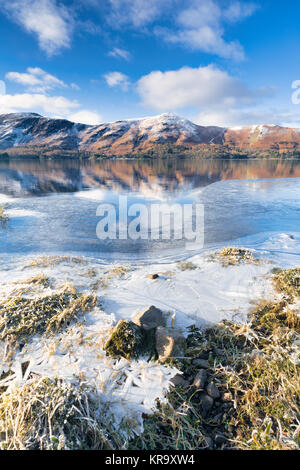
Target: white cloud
(120, 54)
(75, 86)
(86, 117)
(196, 87)
(52, 106)
(37, 102)
(48, 20)
(196, 24)
(137, 13)
(35, 79)
(117, 79)
(237, 11)
(200, 27)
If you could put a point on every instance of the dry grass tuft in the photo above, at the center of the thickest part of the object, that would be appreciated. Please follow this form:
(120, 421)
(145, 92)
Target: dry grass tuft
(187, 265)
(234, 256)
(23, 317)
(37, 280)
(118, 271)
(287, 282)
(51, 261)
(49, 414)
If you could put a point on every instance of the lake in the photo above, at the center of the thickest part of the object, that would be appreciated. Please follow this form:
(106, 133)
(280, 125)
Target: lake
(52, 205)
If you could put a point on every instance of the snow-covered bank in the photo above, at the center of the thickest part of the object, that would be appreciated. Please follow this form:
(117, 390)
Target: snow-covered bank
(203, 294)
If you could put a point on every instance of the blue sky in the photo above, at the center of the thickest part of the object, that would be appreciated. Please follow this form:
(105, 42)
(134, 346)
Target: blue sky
(212, 61)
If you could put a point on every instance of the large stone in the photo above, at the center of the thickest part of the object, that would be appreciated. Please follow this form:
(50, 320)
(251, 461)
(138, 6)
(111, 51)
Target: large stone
(200, 379)
(130, 341)
(149, 318)
(170, 343)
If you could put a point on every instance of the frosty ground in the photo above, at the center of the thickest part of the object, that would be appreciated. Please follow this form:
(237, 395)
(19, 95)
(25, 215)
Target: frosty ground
(201, 291)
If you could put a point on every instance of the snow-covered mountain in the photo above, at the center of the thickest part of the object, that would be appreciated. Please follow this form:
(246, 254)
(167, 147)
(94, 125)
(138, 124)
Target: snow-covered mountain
(19, 130)
(31, 130)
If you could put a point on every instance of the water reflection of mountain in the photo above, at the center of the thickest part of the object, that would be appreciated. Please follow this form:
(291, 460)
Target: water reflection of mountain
(155, 177)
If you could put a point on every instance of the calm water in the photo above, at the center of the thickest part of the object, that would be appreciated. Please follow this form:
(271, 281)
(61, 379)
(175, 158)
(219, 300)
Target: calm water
(52, 205)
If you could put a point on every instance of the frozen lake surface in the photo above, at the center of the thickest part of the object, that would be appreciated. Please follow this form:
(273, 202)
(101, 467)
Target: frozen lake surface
(52, 206)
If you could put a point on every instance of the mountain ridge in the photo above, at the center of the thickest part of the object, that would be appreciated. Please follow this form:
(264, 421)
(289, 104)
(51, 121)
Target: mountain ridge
(135, 136)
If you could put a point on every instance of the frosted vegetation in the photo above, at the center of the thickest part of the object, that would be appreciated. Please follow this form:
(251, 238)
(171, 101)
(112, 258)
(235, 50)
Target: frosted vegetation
(238, 309)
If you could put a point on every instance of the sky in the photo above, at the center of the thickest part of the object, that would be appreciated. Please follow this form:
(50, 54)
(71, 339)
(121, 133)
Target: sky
(215, 62)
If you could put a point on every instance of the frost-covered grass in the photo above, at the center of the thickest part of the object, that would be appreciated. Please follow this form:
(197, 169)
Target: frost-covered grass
(258, 378)
(50, 261)
(187, 265)
(117, 271)
(234, 256)
(288, 282)
(22, 317)
(37, 280)
(61, 390)
(49, 414)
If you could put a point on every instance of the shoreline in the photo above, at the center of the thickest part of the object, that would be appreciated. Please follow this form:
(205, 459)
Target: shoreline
(200, 152)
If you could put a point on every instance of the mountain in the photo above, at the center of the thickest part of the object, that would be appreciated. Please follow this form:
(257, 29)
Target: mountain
(24, 131)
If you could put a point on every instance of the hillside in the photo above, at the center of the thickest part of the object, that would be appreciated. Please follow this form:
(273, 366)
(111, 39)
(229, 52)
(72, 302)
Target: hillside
(32, 133)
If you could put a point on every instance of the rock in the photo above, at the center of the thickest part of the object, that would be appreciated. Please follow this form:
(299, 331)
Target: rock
(200, 363)
(200, 379)
(206, 403)
(220, 439)
(149, 318)
(24, 367)
(178, 380)
(209, 442)
(217, 419)
(226, 397)
(152, 276)
(226, 406)
(130, 341)
(213, 391)
(169, 343)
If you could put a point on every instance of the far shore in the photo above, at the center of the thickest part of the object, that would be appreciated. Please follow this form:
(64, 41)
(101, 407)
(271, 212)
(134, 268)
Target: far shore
(164, 151)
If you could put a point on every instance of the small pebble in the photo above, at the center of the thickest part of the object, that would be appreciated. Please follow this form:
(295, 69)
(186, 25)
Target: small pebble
(226, 397)
(213, 391)
(200, 379)
(152, 276)
(206, 403)
(209, 442)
